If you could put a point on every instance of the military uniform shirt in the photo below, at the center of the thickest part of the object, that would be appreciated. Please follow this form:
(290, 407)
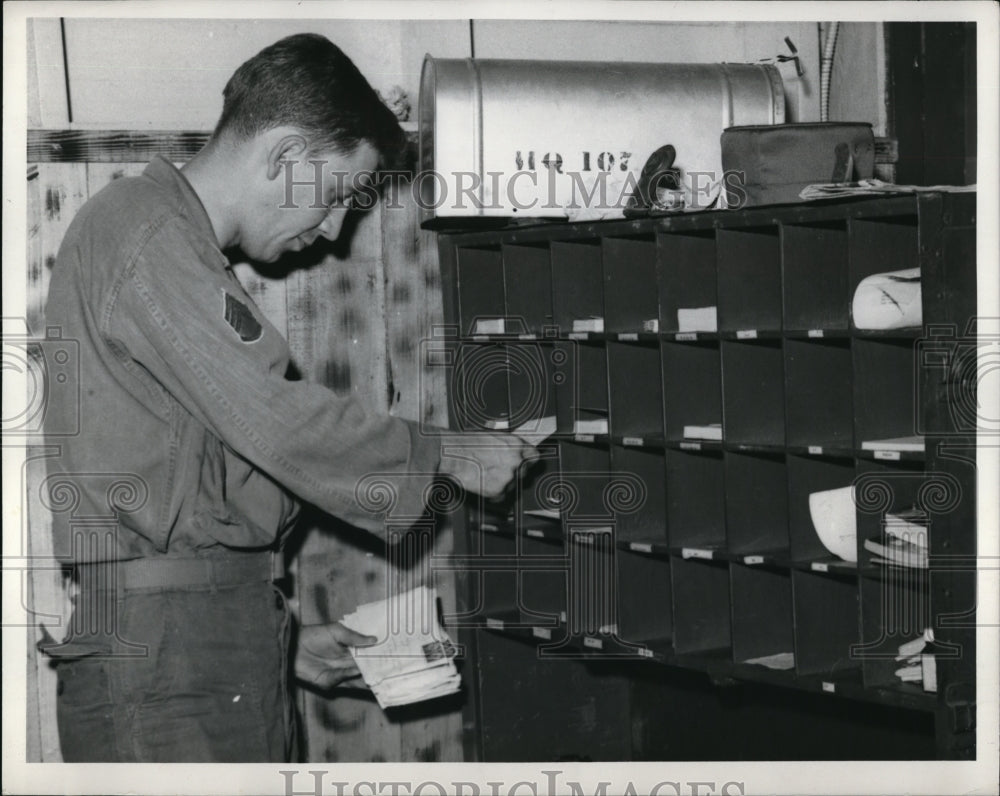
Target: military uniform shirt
(189, 429)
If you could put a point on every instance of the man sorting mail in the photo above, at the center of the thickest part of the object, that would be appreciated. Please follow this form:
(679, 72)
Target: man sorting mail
(183, 390)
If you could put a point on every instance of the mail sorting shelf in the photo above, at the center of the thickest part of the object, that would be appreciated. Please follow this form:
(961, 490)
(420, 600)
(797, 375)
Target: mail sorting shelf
(692, 387)
(577, 286)
(631, 304)
(749, 280)
(753, 333)
(753, 393)
(584, 398)
(819, 405)
(527, 289)
(816, 300)
(635, 402)
(686, 271)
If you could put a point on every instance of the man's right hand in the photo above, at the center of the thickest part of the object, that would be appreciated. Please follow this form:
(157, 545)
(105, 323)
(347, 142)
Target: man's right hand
(483, 462)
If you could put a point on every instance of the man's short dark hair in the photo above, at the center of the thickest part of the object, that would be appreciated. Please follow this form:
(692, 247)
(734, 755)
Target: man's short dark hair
(306, 81)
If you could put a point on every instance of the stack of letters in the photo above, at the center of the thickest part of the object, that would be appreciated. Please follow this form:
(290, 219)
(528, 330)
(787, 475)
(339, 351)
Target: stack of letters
(413, 659)
(905, 542)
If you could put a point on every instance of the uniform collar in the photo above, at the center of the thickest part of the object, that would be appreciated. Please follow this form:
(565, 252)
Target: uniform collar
(186, 200)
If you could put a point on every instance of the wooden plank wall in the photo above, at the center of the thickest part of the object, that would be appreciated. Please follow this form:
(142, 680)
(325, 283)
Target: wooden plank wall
(354, 320)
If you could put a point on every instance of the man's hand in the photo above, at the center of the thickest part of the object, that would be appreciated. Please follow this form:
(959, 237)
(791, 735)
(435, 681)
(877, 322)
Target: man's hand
(485, 463)
(322, 657)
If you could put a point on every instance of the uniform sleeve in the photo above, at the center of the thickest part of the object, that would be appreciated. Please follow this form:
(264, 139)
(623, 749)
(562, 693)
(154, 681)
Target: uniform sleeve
(173, 317)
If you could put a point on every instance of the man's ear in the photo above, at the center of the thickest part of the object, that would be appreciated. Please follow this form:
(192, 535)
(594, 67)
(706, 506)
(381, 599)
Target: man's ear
(284, 146)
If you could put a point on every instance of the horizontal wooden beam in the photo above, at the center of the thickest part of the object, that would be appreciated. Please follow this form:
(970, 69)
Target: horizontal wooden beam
(112, 146)
(125, 146)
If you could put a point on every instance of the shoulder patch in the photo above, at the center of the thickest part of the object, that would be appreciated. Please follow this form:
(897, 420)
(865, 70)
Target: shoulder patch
(239, 316)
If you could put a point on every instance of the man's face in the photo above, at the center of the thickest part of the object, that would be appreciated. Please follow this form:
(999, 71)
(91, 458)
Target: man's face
(289, 217)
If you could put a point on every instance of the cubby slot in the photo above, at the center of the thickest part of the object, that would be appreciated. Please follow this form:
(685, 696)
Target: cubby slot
(585, 403)
(880, 246)
(749, 266)
(491, 515)
(644, 609)
(543, 590)
(498, 579)
(637, 494)
(480, 291)
(528, 279)
(896, 488)
(895, 609)
(814, 278)
(692, 387)
(807, 475)
(479, 389)
(687, 271)
(696, 514)
(756, 503)
(819, 406)
(762, 612)
(592, 607)
(826, 623)
(631, 301)
(753, 392)
(564, 369)
(537, 494)
(701, 605)
(884, 390)
(536, 373)
(577, 286)
(586, 470)
(636, 391)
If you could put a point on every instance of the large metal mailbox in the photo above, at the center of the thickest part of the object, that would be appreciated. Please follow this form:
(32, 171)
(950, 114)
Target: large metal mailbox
(568, 139)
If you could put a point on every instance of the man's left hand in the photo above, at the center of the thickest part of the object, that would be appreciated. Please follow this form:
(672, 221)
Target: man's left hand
(323, 659)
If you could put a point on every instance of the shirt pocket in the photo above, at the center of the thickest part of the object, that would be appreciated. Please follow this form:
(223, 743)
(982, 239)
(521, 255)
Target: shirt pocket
(211, 514)
(217, 514)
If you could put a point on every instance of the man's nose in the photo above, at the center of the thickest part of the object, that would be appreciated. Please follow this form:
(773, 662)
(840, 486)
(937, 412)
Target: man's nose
(330, 228)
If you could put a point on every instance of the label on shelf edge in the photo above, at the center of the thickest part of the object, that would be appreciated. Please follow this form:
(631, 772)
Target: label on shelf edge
(696, 552)
(753, 559)
(746, 334)
(527, 336)
(829, 687)
(816, 450)
(584, 437)
(640, 547)
(815, 332)
(635, 441)
(819, 566)
(890, 456)
(541, 632)
(645, 652)
(686, 336)
(494, 624)
(628, 337)
(595, 643)
(577, 335)
(535, 533)
(690, 446)
(480, 338)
